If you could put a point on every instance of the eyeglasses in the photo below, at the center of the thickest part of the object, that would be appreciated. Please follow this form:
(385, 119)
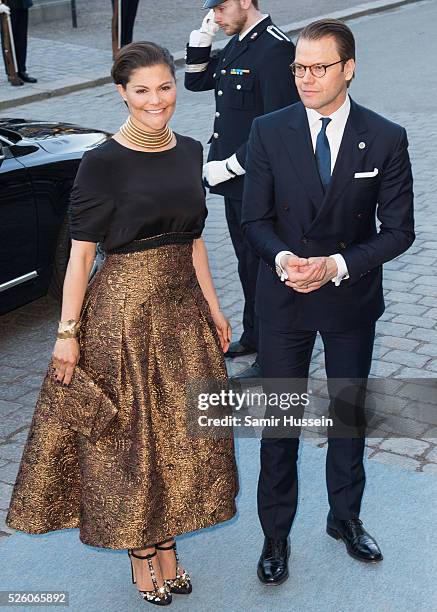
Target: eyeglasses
(317, 70)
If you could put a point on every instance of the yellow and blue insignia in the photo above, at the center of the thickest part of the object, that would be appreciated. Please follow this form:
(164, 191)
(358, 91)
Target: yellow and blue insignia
(240, 71)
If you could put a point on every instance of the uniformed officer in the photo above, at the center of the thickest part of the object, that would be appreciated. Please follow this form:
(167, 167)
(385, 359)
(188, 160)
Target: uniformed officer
(251, 76)
(128, 15)
(19, 11)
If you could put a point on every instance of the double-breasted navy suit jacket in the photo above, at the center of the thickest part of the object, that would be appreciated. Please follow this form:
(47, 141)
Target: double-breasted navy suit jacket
(285, 208)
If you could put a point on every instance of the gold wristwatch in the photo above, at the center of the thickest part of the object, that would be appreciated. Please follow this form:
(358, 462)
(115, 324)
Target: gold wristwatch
(68, 329)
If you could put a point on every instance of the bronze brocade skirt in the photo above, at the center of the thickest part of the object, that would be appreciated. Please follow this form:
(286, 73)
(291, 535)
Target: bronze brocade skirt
(146, 330)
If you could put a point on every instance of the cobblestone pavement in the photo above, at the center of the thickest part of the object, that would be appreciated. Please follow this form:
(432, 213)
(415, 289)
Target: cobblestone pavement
(389, 81)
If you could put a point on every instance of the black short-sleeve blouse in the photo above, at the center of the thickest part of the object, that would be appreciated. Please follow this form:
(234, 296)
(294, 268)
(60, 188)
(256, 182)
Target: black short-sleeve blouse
(120, 195)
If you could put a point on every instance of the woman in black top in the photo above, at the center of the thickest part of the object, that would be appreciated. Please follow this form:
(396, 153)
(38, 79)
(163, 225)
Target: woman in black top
(108, 449)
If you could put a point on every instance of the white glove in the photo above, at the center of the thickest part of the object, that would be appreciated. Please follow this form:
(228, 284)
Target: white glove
(4, 9)
(209, 25)
(203, 37)
(215, 172)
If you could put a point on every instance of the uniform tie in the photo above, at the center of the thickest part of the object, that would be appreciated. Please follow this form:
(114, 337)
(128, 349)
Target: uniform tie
(323, 153)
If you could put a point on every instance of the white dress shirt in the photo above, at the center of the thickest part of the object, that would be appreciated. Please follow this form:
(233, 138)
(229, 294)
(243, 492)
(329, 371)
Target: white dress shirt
(334, 130)
(334, 133)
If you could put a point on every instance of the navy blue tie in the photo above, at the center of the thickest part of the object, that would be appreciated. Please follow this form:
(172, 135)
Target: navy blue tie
(323, 153)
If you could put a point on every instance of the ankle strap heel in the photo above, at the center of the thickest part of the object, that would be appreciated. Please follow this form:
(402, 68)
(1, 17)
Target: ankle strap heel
(160, 596)
(181, 584)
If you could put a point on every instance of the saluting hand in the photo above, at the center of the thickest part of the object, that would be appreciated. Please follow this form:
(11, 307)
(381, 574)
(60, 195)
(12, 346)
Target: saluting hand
(209, 25)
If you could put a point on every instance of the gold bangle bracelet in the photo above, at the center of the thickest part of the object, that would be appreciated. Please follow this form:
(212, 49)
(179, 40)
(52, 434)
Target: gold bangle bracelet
(68, 329)
(67, 334)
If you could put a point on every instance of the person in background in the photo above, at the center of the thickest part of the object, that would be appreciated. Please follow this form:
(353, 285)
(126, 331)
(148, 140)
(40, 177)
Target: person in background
(250, 77)
(19, 11)
(129, 10)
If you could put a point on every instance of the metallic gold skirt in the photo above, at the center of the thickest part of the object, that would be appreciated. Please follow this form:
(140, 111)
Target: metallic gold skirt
(146, 331)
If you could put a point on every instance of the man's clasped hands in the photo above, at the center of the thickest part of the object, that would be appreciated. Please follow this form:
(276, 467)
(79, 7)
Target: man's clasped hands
(306, 275)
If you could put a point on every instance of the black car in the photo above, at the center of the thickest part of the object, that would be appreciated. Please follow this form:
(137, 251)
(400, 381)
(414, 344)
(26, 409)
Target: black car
(38, 163)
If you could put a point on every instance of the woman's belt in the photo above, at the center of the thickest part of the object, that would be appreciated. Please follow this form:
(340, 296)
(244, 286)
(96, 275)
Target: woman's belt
(154, 242)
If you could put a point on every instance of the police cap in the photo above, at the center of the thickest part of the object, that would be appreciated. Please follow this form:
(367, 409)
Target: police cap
(209, 4)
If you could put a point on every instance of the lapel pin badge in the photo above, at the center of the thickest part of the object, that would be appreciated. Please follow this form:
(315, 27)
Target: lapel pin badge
(254, 35)
(362, 145)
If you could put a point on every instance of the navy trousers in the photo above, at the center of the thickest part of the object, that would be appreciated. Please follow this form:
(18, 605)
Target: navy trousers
(285, 355)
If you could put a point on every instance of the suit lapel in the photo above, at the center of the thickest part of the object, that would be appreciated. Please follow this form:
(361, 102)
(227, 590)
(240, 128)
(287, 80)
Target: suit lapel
(297, 140)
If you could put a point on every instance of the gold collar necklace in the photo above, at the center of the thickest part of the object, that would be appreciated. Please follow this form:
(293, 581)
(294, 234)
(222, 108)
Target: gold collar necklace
(146, 140)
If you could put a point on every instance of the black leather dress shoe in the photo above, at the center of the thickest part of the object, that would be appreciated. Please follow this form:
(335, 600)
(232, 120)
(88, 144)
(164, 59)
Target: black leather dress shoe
(27, 78)
(359, 544)
(253, 371)
(273, 563)
(236, 349)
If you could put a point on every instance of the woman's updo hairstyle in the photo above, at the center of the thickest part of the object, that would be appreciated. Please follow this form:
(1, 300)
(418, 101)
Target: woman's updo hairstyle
(139, 55)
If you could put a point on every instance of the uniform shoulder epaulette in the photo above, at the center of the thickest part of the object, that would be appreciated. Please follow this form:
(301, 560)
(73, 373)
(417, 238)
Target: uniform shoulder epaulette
(277, 33)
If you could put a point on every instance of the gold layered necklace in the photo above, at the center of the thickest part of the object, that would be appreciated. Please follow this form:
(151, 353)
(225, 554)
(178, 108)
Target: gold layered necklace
(146, 140)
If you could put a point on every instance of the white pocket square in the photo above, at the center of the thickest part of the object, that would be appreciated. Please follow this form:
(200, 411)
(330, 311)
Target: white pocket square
(366, 174)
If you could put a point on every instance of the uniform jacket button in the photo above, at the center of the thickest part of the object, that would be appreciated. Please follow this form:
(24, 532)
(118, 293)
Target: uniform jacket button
(342, 245)
(220, 92)
(359, 215)
(217, 114)
(214, 75)
(238, 86)
(223, 71)
(215, 135)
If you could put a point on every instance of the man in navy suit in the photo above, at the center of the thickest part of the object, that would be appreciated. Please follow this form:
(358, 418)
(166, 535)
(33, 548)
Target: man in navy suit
(318, 173)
